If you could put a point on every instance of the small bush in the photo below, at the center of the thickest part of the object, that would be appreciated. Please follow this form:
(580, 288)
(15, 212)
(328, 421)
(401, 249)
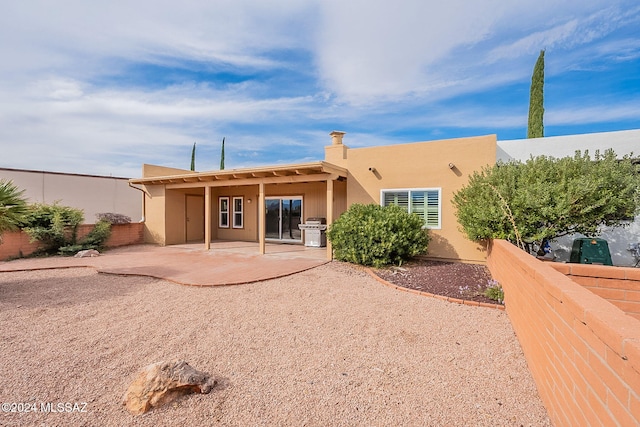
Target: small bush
(375, 235)
(113, 218)
(53, 225)
(494, 291)
(94, 240)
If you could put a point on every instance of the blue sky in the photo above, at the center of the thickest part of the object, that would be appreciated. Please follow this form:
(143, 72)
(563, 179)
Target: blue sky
(102, 87)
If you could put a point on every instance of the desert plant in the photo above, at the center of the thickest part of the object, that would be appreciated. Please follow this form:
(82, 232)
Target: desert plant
(494, 291)
(12, 206)
(96, 239)
(376, 235)
(53, 225)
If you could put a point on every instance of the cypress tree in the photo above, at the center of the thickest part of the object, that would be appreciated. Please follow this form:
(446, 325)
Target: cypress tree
(193, 157)
(222, 156)
(535, 128)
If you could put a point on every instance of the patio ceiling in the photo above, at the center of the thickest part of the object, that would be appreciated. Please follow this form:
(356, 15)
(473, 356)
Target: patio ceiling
(317, 171)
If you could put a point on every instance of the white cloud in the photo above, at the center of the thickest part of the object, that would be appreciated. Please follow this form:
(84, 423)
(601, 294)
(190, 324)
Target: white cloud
(620, 111)
(65, 125)
(378, 50)
(39, 34)
(373, 65)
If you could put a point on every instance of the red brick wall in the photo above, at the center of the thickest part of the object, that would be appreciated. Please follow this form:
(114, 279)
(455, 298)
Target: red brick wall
(618, 285)
(16, 244)
(582, 351)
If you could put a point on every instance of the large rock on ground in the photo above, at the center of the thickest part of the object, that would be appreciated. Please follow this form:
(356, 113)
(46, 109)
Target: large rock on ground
(163, 382)
(87, 253)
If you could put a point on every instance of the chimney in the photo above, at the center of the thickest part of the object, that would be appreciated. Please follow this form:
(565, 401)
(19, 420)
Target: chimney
(336, 137)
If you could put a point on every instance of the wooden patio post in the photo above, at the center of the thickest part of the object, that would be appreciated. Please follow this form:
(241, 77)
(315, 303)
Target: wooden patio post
(261, 219)
(207, 217)
(329, 214)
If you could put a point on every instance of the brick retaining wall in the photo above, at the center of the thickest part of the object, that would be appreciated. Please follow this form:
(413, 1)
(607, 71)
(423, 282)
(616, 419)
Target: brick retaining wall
(583, 352)
(618, 285)
(16, 244)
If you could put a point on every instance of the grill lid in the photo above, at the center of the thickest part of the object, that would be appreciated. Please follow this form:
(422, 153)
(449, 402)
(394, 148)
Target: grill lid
(317, 220)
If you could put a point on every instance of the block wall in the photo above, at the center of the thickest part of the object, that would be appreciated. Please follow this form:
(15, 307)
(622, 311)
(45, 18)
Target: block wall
(16, 244)
(583, 352)
(618, 285)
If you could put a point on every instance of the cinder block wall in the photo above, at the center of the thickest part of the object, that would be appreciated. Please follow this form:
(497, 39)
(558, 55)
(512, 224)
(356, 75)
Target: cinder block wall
(618, 285)
(16, 244)
(583, 352)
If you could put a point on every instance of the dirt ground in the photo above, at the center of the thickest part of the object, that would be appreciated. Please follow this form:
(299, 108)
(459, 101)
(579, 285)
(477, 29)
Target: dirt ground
(449, 279)
(329, 346)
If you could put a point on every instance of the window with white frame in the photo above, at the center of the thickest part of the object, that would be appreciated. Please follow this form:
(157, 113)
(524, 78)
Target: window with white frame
(237, 212)
(425, 202)
(223, 217)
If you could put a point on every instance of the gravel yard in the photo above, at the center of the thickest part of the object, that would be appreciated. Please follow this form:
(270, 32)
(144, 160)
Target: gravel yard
(328, 346)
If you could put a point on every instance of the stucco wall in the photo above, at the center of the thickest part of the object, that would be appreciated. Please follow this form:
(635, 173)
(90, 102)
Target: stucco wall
(622, 142)
(249, 232)
(155, 218)
(339, 198)
(92, 194)
(423, 165)
(155, 170)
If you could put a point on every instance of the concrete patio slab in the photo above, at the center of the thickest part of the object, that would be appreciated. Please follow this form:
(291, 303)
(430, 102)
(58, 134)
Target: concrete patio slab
(227, 263)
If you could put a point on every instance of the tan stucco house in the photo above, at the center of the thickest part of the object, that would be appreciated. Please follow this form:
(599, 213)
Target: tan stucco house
(266, 204)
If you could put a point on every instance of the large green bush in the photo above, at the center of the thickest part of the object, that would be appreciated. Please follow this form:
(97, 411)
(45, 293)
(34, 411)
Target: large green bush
(545, 198)
(53, 225)
(376, 235)
(56, 227)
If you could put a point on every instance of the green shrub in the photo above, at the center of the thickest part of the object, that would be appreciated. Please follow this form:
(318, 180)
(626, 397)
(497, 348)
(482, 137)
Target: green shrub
(53, 225)
(494, 291)
(94, 240)
(376, 235)
(98, 236)
(545, 198)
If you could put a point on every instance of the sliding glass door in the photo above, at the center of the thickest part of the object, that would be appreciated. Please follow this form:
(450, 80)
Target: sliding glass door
(283, 215)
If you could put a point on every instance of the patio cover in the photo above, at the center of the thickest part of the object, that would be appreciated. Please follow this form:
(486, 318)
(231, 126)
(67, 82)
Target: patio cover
(302, 172)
